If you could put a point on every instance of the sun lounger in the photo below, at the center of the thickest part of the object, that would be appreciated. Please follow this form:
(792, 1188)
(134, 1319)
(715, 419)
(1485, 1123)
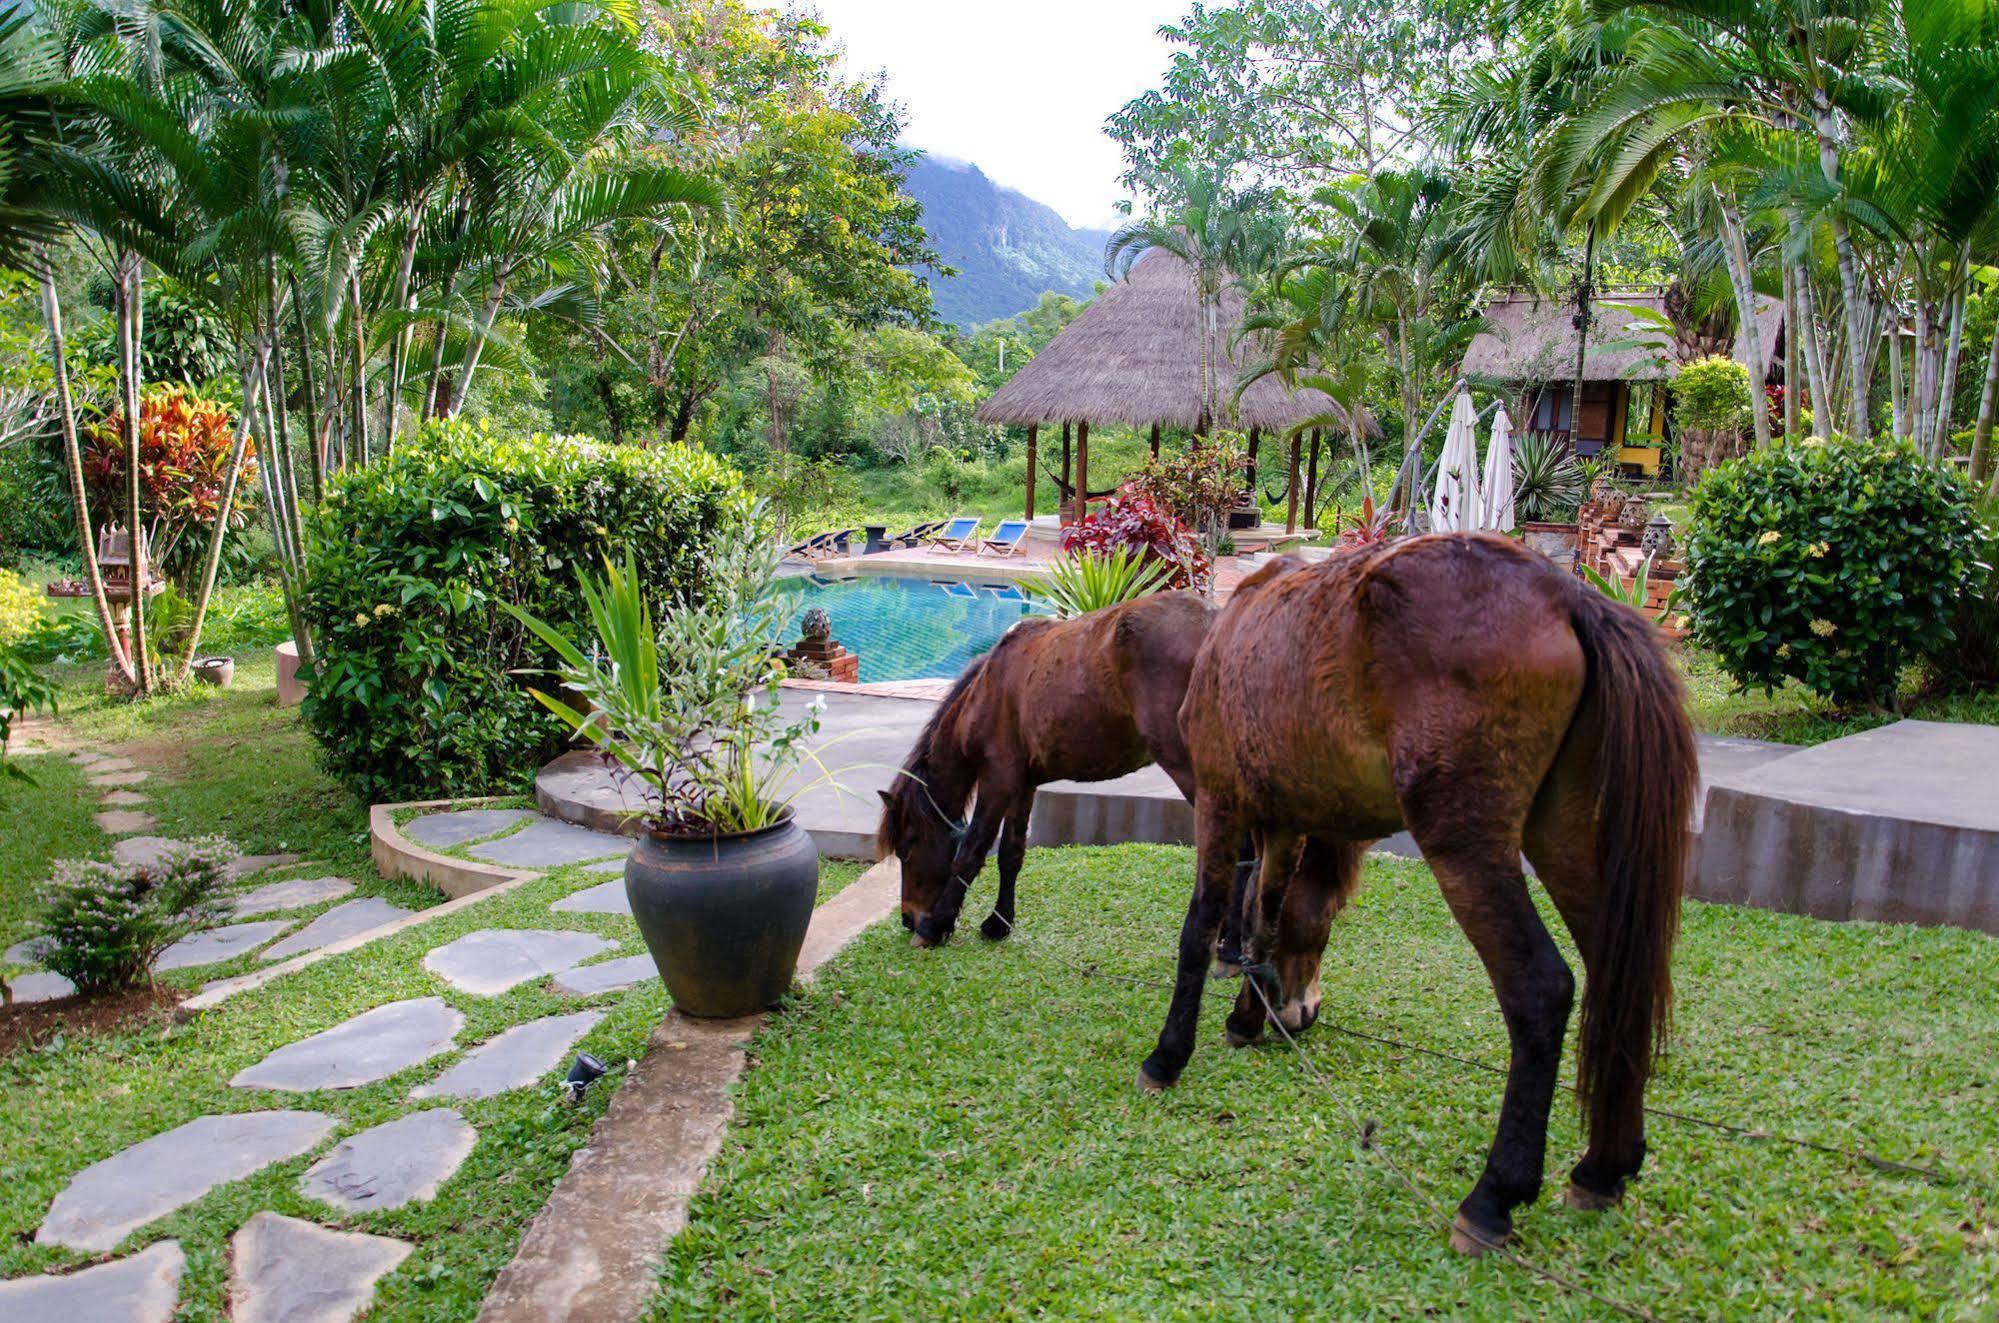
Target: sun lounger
(918, 535)
(956, 535)
(1006, 539)
(832, 543)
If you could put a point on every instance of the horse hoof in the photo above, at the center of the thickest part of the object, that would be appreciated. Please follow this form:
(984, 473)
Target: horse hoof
(1472, 1242)
(995, 929)
(1227, 969)
(1147, 1083)
(1241, 1038)
(1590, 1201)
(922, 943)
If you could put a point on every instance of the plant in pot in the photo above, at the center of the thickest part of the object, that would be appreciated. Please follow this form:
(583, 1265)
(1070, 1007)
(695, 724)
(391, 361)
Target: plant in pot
(723, 880)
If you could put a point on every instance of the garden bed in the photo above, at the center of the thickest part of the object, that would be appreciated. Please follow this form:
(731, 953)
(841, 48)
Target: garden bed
(956, 1132)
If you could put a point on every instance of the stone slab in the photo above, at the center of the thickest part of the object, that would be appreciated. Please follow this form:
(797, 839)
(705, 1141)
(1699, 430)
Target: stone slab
(40, 986)
(139, 1289)
(88, 757)
(123, 799)
(129, 778)
(257, 863)
(284, 1270)
(548, 843)
(109, 764)
(592, 1253)
(488, 962)
(372, 1046)
(1895, 825)
(337, 924)
(20, 953)
(606, 866)
(604, 898)
(513, 1059)
(213, 945)
(109, 1200)
(124, 822)
(441, 831)
(293, 895)
(400, 1162)
(606, 976)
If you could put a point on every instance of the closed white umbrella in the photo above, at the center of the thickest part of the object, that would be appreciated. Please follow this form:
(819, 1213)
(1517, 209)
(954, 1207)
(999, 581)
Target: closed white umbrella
(1496, 492)
(1454, 504)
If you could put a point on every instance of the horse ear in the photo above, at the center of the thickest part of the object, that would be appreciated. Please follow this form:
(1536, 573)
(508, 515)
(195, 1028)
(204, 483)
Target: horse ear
(887, 798)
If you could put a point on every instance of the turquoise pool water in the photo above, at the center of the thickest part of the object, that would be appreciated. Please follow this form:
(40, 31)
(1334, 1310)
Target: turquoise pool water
(907, 628)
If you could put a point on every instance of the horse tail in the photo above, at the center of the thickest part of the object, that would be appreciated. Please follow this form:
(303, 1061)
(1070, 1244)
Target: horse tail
(1647, 772)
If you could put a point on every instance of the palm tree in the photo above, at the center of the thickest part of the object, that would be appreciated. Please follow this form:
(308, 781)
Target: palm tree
(1223, 234)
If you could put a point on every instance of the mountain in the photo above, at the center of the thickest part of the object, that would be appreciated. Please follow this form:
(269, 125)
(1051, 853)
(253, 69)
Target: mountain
(1007, 248)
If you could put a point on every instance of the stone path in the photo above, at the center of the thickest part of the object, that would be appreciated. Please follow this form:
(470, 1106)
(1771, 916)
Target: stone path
(141, 1289)
(372, 1046)
(609, 976)
(293, 895)
(403, 1161)
(512, 1059)
(213, 945)
(488, 962)
(111, 1199)
(337, 924)
(283, 1270)
(604, 898)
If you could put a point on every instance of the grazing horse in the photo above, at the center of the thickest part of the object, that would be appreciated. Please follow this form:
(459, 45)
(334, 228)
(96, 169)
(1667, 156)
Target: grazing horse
(1341, 701)
(1085, 699)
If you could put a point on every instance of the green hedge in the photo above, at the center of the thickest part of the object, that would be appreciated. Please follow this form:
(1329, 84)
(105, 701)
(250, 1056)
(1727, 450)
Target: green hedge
(1835, 564)
(420, 693)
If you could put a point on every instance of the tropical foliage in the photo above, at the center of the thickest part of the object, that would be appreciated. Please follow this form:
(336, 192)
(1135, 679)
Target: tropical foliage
(1090, 581)
(1137, 524)
(101, 925)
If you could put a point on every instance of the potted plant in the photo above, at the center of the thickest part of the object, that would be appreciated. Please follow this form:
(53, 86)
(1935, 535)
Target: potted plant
(723, 880)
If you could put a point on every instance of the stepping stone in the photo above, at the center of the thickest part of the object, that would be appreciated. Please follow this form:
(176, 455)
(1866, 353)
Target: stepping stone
(141, 1289)
(589, 980)
(124, 822)
(283, 1270)
(372, 1046)
(124, 799)
(213, 945)
(257, 863)
(404, 1161)
(490, 961)
(130, 778)
(293, 895)
(444, 830)
(106, 763)
(548, 843)
(520, 1056)
(148, 851)
(109, 1200)
(338, 924)
(87, 757)
(41, 987)
(604, 898)
(606, 866)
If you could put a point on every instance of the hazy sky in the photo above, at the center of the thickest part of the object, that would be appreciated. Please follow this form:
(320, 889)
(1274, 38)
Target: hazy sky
(1021, 89)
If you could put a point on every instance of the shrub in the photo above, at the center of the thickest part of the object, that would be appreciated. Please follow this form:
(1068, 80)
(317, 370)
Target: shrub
(1830, 563)
(1971, 657)
(421, 689)
(21, 608)
(103, 925)
(1712, 394)
(1136, 523)
(185, 443)
(1198, 487)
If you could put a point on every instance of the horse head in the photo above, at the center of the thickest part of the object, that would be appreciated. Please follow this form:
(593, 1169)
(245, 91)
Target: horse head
(923, 838)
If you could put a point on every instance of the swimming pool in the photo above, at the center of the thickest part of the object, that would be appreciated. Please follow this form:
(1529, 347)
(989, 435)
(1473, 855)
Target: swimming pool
(907, 628)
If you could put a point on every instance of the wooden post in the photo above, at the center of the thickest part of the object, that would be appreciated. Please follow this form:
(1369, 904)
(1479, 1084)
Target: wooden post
(1033, 472)
(1312, 485)
(1155, 440)
(1082, 472)
(1291, 487)
(1255, 436)
(1061, 499)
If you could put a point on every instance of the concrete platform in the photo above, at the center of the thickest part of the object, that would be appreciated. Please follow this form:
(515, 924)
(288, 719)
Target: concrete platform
(1898, 825)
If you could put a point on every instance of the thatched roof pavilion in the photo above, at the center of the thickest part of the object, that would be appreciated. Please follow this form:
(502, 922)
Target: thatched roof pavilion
(1529, 339)
(1133, 357)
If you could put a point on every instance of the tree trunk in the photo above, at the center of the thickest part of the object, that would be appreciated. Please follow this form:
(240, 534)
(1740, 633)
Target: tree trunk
(400, 346)
(1255, 440)
(1585, 291)
(1814, 347)
(1748, 341)
(487, 316)
(252, 380)
(773, 355)
(1981, 437)
(129, 293)
(1858, 349)
(1082, 472)
(1791, 356)
(1064, 498)
(1947, 388)
(1291, 487)
(1312, 484)
(1155, 441)
(305, 384)
(274, 404)
(86, 536)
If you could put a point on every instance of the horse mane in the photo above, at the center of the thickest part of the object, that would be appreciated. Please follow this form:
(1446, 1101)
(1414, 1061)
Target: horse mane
(913, 784)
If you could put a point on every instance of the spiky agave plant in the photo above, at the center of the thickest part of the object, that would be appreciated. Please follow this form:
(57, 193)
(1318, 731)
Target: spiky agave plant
(1090, 581)
(1547, 482)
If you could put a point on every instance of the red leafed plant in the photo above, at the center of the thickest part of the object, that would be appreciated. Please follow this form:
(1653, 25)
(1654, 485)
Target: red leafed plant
(1133, 520)
(1371, 525)
(184, 447)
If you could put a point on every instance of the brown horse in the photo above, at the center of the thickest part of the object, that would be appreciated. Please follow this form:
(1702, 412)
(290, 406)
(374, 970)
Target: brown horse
(1086, 699)
(1342, 701)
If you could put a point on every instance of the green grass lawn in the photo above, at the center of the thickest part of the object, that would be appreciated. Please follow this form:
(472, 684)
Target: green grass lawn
(956, 1133)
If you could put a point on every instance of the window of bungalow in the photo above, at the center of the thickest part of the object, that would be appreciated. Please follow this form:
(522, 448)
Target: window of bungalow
(1551, 410)
(1638, 415)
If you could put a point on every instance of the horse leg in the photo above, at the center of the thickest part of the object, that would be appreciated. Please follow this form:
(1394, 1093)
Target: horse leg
(1217, 833)
(1264, 905)
(1236, 921)
(1563, 848)
(1012, 849)
(1487, 894)
(934, 928)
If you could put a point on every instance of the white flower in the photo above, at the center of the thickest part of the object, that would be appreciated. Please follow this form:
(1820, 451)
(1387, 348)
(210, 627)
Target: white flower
(817, 707)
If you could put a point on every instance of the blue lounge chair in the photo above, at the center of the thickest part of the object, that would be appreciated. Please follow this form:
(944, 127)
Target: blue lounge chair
(956, 534)
(1006, 539)
(917, 535)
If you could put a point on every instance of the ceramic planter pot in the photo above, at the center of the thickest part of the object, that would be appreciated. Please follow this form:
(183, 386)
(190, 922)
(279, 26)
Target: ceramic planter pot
(218, 671)
(725, 916)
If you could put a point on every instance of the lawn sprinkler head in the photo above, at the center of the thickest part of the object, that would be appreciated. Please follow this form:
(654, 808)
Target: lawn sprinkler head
(583, 1072)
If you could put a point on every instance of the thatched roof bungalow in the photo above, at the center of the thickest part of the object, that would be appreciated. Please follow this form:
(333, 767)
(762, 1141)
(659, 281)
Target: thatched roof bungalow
(1530, 343)
(1133, 357)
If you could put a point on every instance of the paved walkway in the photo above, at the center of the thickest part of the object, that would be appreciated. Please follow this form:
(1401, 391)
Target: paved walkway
(295, 1269)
